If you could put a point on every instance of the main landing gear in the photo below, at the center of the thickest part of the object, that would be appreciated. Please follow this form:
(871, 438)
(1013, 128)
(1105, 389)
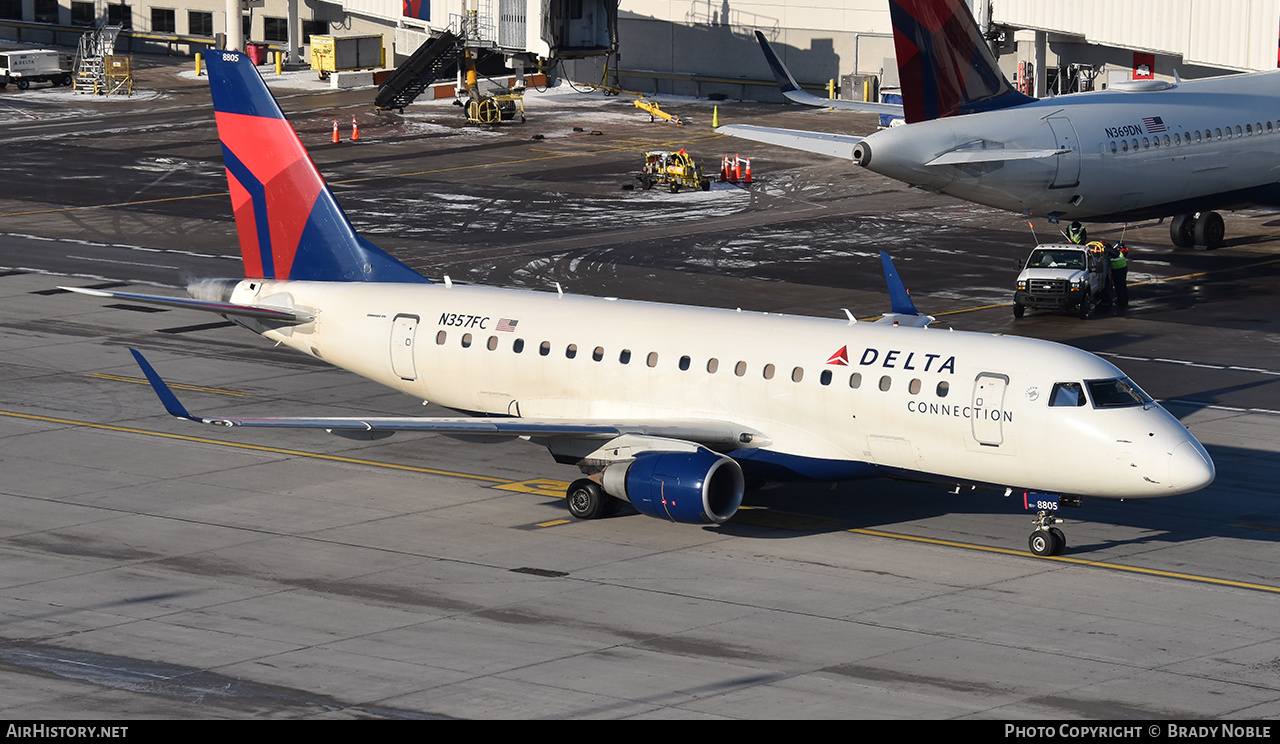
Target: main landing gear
(1198, 229)
(587, 500)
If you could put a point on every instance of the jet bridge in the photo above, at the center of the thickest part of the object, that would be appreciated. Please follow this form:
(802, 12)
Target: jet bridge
(493, 35)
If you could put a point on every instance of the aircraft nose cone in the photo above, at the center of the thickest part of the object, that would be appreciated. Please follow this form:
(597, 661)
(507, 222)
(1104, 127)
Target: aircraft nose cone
(1190, 467)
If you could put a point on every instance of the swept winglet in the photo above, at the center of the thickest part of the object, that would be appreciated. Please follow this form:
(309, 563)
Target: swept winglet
(903, 312)
(162, 390)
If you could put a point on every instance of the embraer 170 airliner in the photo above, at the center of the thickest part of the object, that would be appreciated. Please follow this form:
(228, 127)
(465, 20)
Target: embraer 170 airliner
(1138, 150)
(671, 408)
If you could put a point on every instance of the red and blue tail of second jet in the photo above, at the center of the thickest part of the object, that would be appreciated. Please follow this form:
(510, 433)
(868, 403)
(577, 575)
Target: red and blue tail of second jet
(289, 224)
(944, 65)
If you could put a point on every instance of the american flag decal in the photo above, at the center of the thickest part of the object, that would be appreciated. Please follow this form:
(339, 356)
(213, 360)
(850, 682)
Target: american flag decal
(1154, 124)
(507, 324)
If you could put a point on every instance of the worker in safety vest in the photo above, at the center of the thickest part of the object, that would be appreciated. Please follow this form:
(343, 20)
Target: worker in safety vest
(1077, 234)
(1118, 255)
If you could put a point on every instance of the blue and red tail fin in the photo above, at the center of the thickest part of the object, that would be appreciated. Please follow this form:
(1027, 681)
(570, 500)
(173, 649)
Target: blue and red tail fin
(289, 223)
(945, 67)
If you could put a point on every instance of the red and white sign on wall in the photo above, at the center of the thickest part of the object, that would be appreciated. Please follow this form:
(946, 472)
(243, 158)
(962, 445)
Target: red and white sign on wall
(1144, 66)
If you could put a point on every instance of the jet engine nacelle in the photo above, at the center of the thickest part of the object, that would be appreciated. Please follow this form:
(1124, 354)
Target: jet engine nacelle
(697, 487)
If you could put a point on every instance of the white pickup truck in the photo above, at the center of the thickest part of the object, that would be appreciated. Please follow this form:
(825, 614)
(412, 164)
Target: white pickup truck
(23, 68)
(1063, 277)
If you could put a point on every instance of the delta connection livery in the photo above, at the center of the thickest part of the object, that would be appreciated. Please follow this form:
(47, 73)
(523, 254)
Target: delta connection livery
(671, 408)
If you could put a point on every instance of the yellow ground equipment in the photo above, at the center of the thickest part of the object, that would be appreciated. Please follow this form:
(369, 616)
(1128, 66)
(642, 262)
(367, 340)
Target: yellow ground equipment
(655, 112)
(330, 54)
(495, 109)
(675, 169)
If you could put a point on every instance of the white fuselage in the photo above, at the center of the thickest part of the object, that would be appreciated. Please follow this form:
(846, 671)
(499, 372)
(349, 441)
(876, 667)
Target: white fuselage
(967, 407)
(1203, 144)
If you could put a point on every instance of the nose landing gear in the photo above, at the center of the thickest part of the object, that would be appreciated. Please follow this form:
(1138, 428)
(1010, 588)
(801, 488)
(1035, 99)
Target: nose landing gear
(1047, 540)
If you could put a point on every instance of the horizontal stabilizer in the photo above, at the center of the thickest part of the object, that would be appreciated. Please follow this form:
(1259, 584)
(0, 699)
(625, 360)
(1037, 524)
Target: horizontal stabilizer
(976, 155)
(290, 317)
(791, 89)
(834, 145)
(715, 434)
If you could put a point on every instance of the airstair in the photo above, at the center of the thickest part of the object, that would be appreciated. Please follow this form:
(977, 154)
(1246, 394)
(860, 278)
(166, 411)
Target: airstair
(97, 69)
(418, 72)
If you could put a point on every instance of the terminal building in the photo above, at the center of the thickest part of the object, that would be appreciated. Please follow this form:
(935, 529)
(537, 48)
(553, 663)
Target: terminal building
(706, 47)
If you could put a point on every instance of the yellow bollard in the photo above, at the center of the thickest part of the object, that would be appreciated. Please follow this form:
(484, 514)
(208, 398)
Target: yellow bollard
(199, 60)
(831, 88)
(715, 118)
(279, 63)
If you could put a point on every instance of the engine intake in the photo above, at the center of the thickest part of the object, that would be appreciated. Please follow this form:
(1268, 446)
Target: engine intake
(698, 487)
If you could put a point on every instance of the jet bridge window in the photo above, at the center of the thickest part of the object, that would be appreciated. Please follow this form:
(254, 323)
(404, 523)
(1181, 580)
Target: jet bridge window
(1119, 393)
(1067, 394)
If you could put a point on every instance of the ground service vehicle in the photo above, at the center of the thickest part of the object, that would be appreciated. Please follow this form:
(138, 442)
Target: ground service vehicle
(1063, 277)
(36, 66)
(674, 169)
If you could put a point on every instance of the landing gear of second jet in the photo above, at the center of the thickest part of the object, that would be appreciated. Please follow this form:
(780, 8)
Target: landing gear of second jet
(1200, 228)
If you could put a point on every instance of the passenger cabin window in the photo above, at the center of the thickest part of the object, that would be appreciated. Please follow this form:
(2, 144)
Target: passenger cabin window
(740, 369)
(713, 364)
(652, 361)
(466, 340)
(797, 374)
(518, 345)
(944, 387)
(544, 348)
(624, 357)
(914, 387)
(768, 371)
(684, 363)
(571, 351)
(598, 354)
(825, 377)
(440, 338)
(855, 380)
(1067, 394)
(885, 383)
(493, 343)
(1119, 393)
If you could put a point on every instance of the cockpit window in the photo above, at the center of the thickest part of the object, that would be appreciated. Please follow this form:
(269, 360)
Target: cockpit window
(1121, 393)
(1067, 394)
(1045, 259)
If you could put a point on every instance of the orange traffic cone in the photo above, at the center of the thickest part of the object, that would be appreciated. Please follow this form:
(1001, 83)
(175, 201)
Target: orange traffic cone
(747, 176)
(336, 139)
(355, 130)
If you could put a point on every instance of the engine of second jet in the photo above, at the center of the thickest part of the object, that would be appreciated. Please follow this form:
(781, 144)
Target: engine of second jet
(696, 487)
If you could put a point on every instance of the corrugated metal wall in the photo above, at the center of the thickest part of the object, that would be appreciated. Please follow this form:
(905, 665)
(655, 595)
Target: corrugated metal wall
(1238, 34)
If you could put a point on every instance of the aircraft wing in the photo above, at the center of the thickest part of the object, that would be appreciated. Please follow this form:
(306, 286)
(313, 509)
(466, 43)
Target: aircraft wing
(833, 145)
(791, 89)
(291, 317)
(713, 434)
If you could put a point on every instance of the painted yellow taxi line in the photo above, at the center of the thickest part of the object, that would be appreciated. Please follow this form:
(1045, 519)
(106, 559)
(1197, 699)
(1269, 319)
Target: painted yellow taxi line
(555, 488)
